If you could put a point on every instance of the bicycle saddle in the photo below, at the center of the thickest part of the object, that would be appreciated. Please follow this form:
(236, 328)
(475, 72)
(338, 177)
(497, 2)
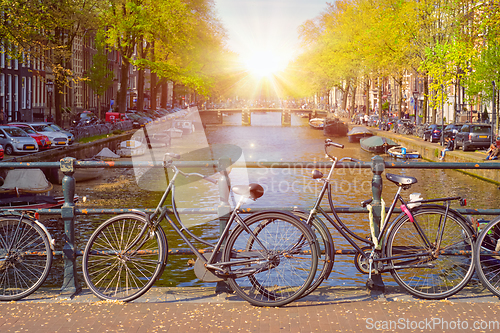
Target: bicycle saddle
(252, 191)
(400, 180)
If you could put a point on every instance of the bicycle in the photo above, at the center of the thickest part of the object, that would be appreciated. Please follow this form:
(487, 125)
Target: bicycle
(428, 248)
(25, 254)
(488, 256)
(268, 259)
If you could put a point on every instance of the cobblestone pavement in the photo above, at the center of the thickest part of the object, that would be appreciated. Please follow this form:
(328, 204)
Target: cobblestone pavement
(329, 309)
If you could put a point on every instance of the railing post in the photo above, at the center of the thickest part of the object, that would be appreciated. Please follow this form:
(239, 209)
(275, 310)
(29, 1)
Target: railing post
(223, 210)
(286, 119)
(70, 284)
(246, 117)
(378, 167)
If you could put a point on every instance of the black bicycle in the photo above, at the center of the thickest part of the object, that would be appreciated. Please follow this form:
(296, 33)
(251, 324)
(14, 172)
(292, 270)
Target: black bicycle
(26, 252)
(428, 248)
(488, 256)
(268, 259)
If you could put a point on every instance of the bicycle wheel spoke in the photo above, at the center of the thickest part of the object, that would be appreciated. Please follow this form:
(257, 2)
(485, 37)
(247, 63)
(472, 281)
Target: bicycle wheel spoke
(442, 271)
(121, 261)
(488, 258)
(281, 273)
(26, 257)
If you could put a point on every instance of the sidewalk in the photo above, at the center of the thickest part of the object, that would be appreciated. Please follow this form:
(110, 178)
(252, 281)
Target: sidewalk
(329, 309)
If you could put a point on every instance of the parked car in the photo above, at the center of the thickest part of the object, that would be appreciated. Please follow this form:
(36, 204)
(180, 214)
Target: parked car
(432, 133)
(71, 137)
(1, 152)
(16, 141)
(473, 136)
(57, 139)
(137, 121)
(43, 141)
(451, 130)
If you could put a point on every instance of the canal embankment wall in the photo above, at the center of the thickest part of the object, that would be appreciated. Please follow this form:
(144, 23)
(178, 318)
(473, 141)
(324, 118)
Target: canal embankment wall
(430, 152)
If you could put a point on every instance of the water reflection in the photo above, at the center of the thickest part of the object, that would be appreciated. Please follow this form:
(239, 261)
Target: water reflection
(267, 141)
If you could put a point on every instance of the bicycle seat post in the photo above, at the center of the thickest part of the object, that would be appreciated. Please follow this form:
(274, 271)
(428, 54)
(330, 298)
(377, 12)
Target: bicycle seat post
(378, 166)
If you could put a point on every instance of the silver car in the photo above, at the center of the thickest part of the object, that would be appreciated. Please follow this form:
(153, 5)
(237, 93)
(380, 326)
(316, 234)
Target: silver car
(58, 139)
(16, 141)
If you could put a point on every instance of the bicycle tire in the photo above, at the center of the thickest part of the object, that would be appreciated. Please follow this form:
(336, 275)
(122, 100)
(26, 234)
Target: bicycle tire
(112, 274)
(25, 267)
(488, 266)
(447, 273)
(279, 275)
(326, 250)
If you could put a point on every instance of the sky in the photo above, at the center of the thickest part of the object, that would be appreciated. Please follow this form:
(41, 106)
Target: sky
(257, 25)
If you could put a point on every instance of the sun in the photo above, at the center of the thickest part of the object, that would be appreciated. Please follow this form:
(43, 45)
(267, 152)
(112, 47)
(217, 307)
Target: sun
(264, 63)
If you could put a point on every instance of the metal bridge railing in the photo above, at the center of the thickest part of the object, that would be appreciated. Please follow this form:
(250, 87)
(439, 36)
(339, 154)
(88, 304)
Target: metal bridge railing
(69, 212)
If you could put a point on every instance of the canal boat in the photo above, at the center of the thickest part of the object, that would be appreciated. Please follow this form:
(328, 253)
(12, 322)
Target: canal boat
(402, 152)
(28, 189)
(317, 123)
(335, 127)
(357, 133)
(131, 148)
(377, 144)
(186, 126)
(174, 132)
(82, 174)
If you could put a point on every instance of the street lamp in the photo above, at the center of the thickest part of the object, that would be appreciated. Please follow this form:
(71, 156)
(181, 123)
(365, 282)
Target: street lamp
(50, 89)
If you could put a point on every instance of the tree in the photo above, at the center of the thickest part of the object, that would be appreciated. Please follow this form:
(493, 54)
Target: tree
(100, 77)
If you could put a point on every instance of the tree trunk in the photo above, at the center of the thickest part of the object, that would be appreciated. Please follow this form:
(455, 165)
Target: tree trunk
(122, 98)
(425, 105)
(164, 94)
(345, 95)
(140, 91)
(353, 100)
(153, 91)
(367, 95)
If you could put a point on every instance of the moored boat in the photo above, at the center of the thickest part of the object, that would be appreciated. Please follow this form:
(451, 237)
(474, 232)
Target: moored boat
(377, 144)
(335, 127)
(28, 189)
(317, 123)
(402, 152)
(357, 133)
(131, 148)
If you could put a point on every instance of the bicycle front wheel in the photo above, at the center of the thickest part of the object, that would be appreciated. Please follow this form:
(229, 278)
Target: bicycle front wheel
(25, 258)
(326, 253)
(487, 257)
(424, 269)
(123, 258)
(272, 259)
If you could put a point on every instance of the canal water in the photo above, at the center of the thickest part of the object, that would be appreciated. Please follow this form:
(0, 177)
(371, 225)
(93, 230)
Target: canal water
(267, 141)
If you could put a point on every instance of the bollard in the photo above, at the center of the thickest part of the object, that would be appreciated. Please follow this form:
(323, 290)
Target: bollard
(223, 210)
(70, 284)
(378, 166)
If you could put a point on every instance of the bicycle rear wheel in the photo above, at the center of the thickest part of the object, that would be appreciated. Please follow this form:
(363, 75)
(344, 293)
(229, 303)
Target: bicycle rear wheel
(326, 250)
(426, 272)
(25, 258)
(122, 261)
(487, 262)
(278, 266)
